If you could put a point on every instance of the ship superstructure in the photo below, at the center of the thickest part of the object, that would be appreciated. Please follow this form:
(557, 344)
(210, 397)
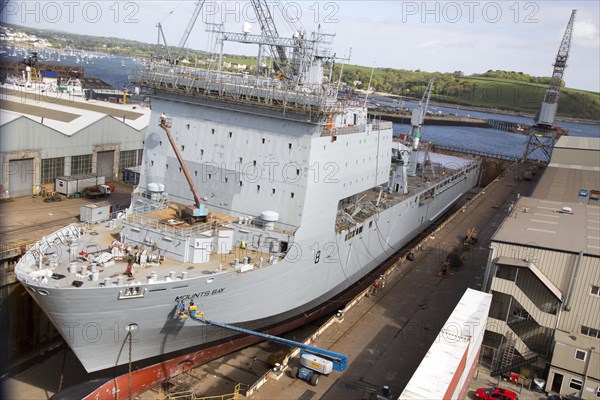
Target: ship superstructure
(304, 193)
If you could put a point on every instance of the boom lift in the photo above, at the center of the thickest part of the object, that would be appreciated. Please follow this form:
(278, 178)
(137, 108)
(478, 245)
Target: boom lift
(314, 360)
(197, 212)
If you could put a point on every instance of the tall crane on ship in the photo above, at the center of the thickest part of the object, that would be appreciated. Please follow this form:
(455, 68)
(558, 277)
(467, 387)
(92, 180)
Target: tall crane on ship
(544, 134)
(269, 30)
(186, 34)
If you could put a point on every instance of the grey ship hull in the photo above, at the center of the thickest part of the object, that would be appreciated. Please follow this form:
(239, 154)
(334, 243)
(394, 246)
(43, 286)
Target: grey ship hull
(92, 320)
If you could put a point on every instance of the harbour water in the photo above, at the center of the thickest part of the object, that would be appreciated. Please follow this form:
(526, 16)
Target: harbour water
(115, 70)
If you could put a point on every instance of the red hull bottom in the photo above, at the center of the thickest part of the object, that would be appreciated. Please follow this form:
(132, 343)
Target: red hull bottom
(148, 377)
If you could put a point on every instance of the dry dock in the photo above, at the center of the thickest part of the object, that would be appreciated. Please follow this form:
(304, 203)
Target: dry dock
(385, 334)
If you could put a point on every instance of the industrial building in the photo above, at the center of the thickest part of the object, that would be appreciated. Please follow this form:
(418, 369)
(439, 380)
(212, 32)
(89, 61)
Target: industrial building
(448, 366)
(45, 135)
(544, 276)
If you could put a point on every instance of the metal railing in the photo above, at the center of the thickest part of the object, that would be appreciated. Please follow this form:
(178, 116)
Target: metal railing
(243, 88)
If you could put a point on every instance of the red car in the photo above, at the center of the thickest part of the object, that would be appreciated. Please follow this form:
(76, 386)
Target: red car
(495, 393)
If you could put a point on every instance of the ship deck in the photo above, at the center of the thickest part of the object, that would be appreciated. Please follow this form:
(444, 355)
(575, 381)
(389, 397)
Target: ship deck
(443, 168)
(96, 240)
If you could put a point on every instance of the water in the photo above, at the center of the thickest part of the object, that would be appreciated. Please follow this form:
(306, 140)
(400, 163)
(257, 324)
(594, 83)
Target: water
(109, 69)
(481, 139)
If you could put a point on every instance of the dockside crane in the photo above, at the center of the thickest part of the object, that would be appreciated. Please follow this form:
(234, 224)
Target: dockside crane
(544, 134)
(314, 360)
(416, 121)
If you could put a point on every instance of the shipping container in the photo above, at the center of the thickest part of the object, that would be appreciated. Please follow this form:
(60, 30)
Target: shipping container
(97, 212)
(69, 185)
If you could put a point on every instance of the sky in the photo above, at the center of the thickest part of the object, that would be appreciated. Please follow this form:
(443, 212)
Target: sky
(444, 36)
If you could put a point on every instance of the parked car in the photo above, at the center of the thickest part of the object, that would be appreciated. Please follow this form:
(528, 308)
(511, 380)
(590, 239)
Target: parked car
(495, 393)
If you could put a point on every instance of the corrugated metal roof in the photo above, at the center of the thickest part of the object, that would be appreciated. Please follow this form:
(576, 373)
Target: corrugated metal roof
(70, 115)
(563, 184)
(434, 375)
(540, 223)
(578, 142)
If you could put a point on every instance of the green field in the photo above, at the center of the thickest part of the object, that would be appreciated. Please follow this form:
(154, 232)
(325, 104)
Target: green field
(518, 93)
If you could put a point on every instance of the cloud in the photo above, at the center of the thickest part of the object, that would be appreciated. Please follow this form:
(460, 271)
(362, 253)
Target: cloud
(586, 34)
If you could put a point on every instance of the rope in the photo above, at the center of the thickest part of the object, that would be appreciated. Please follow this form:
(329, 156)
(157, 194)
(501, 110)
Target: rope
(129, 376)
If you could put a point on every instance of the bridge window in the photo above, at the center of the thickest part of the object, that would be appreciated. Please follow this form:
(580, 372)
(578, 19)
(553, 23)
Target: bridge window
(213, 131)
(289, 146)
(292, 195)
(258, 188)
(182, 147)
(263, 140)
(230, 134)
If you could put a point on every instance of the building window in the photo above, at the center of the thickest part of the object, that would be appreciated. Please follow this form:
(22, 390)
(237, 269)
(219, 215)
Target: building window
(586, 330)
(52, 168)
(575, 384)
(81, 164)
(580, 355)
(595, 290)
(130, 158)
(598, 392)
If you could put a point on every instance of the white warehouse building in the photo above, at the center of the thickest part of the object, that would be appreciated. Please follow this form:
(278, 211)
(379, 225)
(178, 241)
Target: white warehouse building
(43, 137)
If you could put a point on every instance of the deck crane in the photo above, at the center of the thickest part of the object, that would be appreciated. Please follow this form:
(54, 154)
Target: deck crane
(312, 358)
(197, 212)
(544, 134)
(416, 121)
